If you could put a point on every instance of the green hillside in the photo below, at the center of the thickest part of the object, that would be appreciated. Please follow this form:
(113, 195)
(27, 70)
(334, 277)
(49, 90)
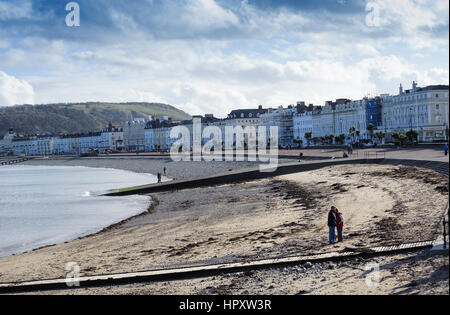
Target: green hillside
(78, 118)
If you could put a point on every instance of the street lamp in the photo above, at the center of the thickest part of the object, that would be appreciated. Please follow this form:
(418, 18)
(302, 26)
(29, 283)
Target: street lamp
(411, 110)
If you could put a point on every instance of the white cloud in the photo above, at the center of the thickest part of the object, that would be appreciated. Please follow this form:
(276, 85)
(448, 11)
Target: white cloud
(14, 91)
(207, 14)
(435, 76)
(413, 14)
(17, 10)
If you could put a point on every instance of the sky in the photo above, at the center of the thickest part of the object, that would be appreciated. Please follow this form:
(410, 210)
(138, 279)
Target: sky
(213, 56)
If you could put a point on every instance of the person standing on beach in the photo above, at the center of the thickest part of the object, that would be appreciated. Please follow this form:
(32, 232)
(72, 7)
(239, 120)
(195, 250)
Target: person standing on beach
(340, 225)
(332, 223)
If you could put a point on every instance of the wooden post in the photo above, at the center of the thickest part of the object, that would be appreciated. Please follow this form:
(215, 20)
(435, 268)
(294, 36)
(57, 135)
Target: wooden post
(445, 234)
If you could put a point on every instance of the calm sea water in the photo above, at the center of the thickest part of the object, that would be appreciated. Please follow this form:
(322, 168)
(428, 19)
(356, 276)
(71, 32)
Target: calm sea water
(41, 206)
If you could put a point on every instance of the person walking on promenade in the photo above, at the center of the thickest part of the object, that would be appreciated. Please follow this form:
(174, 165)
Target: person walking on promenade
(446, 149)
(332, 223)
(159, 177)
(164, 171)
(340, 225)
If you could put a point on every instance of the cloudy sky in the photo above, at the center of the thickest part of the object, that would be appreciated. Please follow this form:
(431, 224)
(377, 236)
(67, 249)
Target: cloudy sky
(212, 56)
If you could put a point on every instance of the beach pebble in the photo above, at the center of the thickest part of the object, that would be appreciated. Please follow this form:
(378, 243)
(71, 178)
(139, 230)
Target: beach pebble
(307, 265)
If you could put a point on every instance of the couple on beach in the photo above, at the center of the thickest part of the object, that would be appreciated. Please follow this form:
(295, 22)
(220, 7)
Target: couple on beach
(335, 221)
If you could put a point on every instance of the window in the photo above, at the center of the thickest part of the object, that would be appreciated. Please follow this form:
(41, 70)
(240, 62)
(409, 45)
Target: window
(437, 106)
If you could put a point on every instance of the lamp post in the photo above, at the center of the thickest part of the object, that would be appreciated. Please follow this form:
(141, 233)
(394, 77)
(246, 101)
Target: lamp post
(411, 111)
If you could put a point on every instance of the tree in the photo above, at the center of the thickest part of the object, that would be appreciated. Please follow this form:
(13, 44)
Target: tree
(403, 138)
(371, 129)
(352, 133)
(381, 135)
(400, 138)
(299, 142)
(308, 137)
(329, 139)
(412, 135)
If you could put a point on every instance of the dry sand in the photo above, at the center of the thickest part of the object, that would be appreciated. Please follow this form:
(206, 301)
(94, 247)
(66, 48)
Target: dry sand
(260, 219)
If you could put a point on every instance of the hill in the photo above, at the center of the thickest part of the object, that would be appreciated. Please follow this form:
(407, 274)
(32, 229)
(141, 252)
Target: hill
(78, 118)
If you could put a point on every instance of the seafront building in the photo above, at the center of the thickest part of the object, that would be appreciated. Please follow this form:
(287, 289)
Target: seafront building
(6, 144)
(337, 118)
(134, 135)
(66, 144)
(303, 124)
(246, 117)
(283, 119)
(108, 140)
(425, 110)
(33, 146)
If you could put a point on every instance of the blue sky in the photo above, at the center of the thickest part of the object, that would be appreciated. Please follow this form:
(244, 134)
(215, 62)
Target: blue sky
(212, 56)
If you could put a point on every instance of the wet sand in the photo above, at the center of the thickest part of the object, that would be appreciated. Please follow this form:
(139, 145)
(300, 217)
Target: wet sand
(268, 218)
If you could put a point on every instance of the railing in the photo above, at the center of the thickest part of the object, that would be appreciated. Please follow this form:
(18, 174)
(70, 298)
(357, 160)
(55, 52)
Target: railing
(374, 155)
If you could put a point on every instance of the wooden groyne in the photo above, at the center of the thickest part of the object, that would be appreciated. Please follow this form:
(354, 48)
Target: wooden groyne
(13, 161)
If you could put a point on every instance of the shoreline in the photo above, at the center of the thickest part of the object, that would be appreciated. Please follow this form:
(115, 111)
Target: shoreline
(151, 206)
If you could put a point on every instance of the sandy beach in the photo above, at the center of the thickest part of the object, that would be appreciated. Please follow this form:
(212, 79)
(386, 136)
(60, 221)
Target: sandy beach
(286, 215)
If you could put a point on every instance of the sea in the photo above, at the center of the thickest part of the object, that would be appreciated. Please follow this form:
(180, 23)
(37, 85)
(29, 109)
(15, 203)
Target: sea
(45, 205)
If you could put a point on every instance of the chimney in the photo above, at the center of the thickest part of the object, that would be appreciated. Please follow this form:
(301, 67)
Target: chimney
(400, 89)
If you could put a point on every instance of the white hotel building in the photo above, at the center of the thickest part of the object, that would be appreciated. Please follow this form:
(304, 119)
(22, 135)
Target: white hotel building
(283, 118)
(134, 135)
(425, 110)
(335, 118)
(33, 146)
(303, 124)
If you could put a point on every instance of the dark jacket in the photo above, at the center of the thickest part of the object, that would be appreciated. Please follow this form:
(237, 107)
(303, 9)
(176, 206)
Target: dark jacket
(332, 219)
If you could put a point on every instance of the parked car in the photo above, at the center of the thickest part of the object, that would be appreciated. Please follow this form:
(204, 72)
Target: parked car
(90, 153)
